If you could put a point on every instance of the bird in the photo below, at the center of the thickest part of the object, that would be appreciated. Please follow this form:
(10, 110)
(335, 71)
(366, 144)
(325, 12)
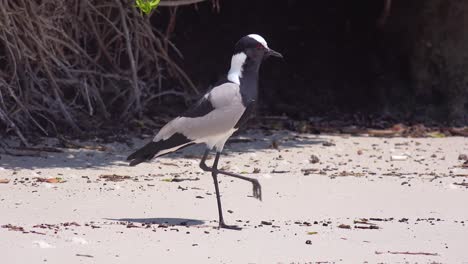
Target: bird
(216, 116)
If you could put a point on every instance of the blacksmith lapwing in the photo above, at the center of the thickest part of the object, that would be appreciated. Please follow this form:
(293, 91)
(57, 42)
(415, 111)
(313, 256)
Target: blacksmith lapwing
(217, 115)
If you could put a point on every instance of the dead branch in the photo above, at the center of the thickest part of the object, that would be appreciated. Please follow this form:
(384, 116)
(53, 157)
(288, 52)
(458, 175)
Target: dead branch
(128, 43)
(63, 61)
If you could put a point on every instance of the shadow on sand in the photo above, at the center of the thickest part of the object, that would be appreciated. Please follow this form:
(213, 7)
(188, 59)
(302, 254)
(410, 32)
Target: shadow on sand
(161, 221)
(116, 153)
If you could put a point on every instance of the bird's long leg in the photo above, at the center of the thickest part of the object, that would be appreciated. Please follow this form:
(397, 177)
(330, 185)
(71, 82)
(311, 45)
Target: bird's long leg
(257, 188)
(203, 165)
(214, 173)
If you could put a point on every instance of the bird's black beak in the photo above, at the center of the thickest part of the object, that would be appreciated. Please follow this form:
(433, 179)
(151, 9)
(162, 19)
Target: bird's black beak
(273, 53)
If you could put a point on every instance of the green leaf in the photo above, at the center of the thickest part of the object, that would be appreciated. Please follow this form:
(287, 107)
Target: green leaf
(436, 135)
(146, 6)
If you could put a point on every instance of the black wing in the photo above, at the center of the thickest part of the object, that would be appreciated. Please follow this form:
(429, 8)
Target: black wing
(249, 110)
(201, 108)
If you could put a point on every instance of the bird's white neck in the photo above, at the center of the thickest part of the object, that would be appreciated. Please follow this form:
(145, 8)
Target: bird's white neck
(237, 66)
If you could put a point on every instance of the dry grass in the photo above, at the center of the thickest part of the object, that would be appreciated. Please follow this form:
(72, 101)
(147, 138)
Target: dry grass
(62, 62)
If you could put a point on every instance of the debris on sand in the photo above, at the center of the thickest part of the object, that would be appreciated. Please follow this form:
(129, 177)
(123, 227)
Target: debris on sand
(314, 159)
(366, 227)
(50, 180)
(407, 253)
(309, 171)
(382, 132)
(11, 227)
(344, 226)
(114, 177)
(84, 255)
(4, 181)
(328, 144)
(132, 225)
(279, 171)
(465, 164)
(347, 174)
(436, 134)
(364, 224)
(177, 179)
(465, 184)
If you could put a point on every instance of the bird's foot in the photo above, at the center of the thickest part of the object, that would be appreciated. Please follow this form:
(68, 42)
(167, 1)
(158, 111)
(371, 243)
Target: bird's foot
(257, 189)
(232, 227)
(205, 167)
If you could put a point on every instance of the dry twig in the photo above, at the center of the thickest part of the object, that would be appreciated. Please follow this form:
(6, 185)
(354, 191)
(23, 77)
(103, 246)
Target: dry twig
(64, 61)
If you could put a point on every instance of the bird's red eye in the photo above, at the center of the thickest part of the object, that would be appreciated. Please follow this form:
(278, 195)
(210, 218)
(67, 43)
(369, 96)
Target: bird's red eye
(259, 46)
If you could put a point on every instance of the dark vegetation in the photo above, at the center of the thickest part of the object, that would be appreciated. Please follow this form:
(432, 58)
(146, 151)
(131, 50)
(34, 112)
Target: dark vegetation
(404, 59)
(74, 67)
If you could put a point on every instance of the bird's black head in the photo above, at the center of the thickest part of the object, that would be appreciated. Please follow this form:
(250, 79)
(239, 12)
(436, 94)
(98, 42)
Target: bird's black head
(255, 47)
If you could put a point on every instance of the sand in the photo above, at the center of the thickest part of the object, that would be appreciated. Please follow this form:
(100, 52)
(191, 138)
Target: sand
(354, 205)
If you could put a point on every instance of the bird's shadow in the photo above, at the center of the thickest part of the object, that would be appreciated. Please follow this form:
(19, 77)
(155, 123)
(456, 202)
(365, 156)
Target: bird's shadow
(161, 221)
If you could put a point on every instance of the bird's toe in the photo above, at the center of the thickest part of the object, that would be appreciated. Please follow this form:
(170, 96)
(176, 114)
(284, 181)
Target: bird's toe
(232, 227)
(257, 190)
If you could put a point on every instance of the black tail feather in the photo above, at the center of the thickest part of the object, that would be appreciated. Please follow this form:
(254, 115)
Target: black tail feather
(147, 152)
(151, 149)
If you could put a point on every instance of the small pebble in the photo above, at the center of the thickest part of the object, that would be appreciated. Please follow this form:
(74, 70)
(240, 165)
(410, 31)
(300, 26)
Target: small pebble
(314, 159)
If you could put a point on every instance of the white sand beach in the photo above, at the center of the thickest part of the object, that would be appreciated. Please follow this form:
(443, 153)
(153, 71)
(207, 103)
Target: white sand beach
(355, 204)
